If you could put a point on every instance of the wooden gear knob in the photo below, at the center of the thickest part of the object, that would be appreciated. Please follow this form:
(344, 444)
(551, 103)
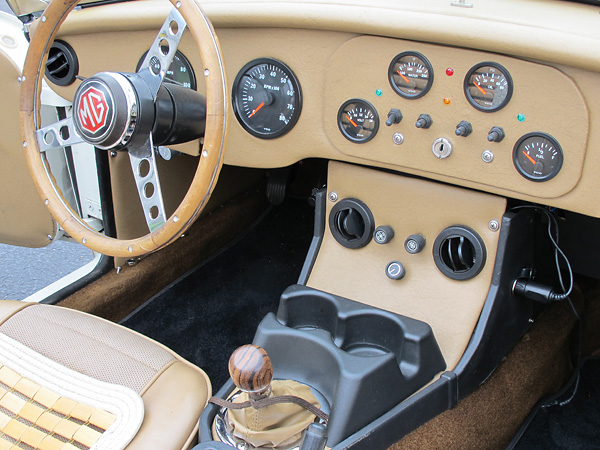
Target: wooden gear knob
(250, 369)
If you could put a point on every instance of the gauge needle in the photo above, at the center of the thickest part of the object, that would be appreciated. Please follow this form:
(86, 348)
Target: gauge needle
(533, 161)
(480, 88)
(403, 77)
(352, 121)
(257, 109)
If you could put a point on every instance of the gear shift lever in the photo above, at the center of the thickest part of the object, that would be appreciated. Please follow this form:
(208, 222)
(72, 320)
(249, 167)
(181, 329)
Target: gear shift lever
(255, 416)
(251, 370)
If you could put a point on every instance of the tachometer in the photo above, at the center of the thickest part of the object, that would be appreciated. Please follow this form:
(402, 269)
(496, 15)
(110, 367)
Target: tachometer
(410, 74)
(488, 86)
(266, 98)
(538, 156)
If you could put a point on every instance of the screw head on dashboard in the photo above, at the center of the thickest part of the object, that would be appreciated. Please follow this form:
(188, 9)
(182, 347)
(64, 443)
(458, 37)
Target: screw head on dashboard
(333, 197)
(494, 225)
(487, 156)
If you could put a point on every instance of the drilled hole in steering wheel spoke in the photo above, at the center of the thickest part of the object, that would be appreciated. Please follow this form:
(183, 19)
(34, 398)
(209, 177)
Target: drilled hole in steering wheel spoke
(153, 212)
(164, 47)
(49, 137)
(149, 190)
(64, 133)
(144, 168)
(174, 28)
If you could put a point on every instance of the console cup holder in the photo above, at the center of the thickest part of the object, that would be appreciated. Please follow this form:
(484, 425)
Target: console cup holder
(362, 331)
(362, 359)
(372, 335)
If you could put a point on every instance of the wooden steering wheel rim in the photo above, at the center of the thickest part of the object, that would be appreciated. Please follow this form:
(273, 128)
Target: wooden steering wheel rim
(210, 161)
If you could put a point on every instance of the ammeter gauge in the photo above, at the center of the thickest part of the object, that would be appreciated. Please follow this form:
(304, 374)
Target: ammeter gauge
(358, 120)
(538, 156)
(488, 86)
(410, 74)
(266, 98)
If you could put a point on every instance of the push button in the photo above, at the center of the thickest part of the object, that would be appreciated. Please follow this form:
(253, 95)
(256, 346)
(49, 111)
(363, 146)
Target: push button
(383, 234)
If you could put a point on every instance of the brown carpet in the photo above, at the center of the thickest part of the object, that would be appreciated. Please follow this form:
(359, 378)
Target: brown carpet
(115, 295)
(488, 419)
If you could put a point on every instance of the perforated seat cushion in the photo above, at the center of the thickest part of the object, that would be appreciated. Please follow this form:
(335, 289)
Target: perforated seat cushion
(174, 391)
(88, 345)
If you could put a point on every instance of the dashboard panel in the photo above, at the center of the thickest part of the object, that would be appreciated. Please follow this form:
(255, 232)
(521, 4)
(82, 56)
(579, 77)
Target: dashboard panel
(544, 98)
(332, 67)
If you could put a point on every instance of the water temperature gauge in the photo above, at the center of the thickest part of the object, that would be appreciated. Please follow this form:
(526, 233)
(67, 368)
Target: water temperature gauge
(538, 156)
(410, 75)
(358, 120)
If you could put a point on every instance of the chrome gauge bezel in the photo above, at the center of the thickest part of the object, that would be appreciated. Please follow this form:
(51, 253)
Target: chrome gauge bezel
(391, 74)
(522, 167)
(237, 100)
(181, 59)
(467, 90)
(341, 121)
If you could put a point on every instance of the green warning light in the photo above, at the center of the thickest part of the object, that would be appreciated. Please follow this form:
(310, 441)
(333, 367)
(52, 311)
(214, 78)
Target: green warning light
(379, 92)
(521, 117)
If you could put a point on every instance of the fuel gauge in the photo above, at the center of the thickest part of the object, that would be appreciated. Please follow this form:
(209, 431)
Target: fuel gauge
(538, 156)
(358, 120)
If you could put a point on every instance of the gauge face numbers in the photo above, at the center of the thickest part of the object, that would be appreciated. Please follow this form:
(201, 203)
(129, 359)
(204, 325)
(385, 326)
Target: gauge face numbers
(538, 156)
(358, 120)
(266, 98)
(488, 86)
(410, 74)
(180, 71)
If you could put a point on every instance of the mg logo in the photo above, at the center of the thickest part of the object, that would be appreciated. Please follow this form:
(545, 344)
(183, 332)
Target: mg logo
(92, 110)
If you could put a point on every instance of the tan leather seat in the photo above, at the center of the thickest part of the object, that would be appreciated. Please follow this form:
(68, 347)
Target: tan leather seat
(174, 392)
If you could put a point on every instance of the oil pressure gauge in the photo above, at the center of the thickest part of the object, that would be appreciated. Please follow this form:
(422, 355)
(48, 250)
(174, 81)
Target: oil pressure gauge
(358, 120)
(488, 86)
(538, 156)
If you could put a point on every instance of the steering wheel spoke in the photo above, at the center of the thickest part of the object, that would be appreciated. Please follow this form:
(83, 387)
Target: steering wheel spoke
(161, 53)
(59, 134)
(145, 172)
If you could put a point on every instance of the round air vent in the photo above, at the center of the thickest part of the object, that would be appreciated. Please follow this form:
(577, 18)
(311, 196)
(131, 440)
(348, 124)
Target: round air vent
(62, 66)
(351, 223)
(459, 253)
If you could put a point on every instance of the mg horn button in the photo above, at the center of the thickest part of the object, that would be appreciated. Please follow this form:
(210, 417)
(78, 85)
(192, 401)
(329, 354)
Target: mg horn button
(95, 111)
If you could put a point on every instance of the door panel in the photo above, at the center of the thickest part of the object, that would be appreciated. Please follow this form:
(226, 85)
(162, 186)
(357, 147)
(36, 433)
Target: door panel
(24, 220)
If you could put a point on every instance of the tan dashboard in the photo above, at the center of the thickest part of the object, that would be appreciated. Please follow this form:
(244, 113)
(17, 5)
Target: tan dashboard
(333, 67)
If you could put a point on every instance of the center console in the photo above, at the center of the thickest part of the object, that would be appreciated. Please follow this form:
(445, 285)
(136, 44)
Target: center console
(404, 305)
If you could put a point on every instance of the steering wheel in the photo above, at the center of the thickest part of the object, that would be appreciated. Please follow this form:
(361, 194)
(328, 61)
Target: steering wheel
(115, 111)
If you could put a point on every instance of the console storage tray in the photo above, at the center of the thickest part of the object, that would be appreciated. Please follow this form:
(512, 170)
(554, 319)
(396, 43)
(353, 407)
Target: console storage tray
(363, 360)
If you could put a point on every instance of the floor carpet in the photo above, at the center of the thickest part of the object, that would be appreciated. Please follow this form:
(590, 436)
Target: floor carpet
(215, 308)
(573, 426)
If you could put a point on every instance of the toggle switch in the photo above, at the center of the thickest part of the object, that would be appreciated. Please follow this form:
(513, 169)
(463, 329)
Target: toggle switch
(424, 121)
(464, 128)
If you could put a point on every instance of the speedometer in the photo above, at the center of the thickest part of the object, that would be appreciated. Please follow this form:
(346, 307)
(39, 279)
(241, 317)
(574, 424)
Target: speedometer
(180, 71)
(266, 98)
